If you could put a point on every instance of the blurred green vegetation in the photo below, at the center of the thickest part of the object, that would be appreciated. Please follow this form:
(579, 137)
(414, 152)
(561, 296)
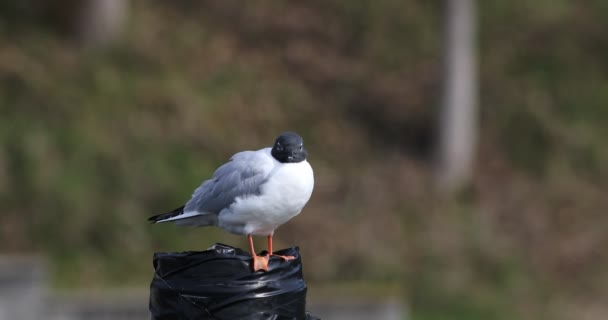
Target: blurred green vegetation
(94, 141)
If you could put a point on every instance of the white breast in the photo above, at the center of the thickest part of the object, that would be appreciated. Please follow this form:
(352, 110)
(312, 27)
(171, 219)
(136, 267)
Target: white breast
(282, 197)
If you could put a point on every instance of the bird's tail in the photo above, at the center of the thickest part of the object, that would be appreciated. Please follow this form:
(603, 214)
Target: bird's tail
(164, 216)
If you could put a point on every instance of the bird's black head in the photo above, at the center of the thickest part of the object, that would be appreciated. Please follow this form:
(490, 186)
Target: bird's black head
(289, 148)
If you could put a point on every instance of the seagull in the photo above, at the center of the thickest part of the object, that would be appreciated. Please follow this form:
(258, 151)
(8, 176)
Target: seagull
(252, 194)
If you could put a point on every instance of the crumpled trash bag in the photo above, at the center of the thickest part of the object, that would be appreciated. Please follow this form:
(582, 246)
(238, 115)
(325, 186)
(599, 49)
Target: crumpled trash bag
(218, 284)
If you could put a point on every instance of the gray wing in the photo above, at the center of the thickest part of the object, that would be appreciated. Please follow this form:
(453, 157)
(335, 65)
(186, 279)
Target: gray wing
(242, 176)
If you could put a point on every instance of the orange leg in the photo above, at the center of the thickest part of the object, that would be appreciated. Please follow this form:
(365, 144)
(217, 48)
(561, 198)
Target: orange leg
(272, 254)
(259, 262)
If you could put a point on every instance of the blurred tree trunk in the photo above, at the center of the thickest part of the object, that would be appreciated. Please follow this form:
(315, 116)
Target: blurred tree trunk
(458, 112)
(101, 22)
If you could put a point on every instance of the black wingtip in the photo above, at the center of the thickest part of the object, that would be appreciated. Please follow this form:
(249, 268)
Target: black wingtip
(163, 216)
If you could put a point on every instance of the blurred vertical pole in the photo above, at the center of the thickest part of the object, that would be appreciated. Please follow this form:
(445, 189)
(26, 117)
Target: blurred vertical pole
(458, 110)
(102, 21)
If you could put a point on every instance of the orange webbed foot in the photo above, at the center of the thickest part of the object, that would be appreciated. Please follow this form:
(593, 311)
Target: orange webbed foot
(260, 263)
(285, 258)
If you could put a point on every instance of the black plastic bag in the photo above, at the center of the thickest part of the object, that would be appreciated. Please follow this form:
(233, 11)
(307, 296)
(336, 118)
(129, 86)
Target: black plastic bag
(218, 284)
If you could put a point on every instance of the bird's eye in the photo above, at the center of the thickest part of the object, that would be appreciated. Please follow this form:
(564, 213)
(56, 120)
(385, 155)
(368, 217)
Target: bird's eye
(300, 147)
(279, 147)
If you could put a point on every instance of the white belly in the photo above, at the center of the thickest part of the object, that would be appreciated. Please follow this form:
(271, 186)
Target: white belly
(287, 191)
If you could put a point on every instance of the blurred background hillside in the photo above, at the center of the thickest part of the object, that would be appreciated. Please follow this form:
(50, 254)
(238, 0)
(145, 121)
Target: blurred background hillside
(101, 127)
